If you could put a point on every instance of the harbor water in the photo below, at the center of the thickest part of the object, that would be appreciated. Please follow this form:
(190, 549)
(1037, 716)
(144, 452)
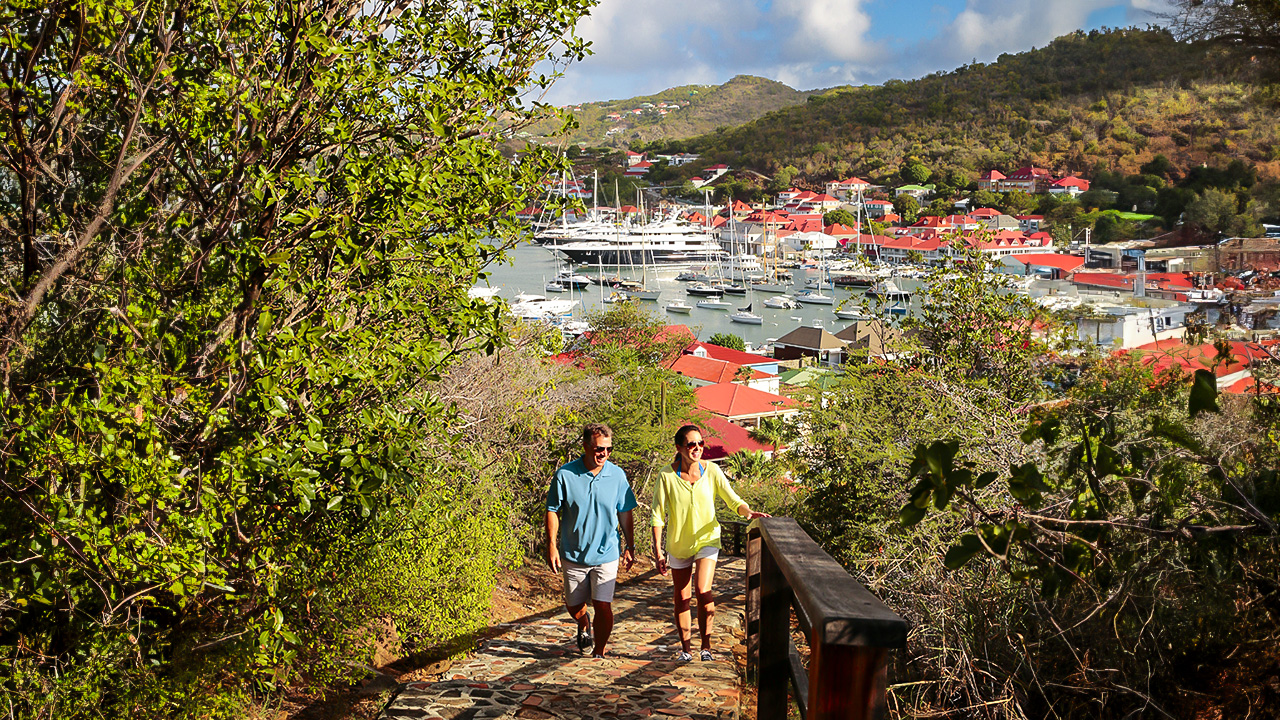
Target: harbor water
(531, 266)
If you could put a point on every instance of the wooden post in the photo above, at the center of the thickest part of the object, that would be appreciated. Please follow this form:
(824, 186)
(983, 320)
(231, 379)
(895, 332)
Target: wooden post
(847, 682)
(754, 546)
(775, 624)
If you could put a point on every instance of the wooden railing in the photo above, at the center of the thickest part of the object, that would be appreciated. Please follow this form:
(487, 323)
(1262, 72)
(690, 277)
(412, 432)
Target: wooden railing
(849, 630)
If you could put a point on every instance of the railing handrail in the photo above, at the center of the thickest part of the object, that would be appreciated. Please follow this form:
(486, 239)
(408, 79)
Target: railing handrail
(849, 629)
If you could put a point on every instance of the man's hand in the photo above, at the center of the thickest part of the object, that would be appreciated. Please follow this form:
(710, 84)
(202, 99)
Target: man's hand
(628, 558)
(553, 557)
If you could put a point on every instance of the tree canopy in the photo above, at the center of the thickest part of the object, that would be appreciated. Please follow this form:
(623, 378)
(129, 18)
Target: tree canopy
(239, 250)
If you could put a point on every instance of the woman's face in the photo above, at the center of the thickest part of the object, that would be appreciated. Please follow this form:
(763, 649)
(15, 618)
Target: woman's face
(692, 447)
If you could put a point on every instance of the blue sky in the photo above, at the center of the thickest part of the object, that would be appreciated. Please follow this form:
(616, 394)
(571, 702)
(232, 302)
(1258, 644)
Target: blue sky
(646, 46)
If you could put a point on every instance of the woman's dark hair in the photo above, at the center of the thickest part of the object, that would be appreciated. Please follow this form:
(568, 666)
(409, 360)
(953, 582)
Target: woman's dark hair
(684, 431)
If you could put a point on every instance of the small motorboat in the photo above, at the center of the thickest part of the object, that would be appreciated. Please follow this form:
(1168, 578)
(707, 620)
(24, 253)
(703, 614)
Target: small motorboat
(853, 313)
(745, 316)
(556, 286)
(814, 297)
(781, 302)
(678, 306)
(617, 296)
(733, 289)
(714, 304)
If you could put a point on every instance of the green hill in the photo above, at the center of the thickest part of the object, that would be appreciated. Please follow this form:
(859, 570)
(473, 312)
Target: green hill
(1105, 99)
(699, 109)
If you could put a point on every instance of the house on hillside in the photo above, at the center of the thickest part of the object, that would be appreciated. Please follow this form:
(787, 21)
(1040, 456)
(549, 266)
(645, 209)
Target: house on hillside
(633, 158)
(1124, 327)
(990, 180)
(870, 340)
(742, 405)
(919, 192)
(1071, 186)
(813, 342)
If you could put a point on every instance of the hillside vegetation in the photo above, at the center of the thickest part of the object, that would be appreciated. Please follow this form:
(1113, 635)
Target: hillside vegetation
(1101, 100)
(703, 108)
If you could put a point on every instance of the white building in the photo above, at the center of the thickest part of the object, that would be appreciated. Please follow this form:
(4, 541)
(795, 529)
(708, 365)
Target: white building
(1122, 327)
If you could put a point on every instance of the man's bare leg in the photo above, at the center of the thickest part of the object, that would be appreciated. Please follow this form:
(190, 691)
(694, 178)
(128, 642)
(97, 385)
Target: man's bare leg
(603, 625)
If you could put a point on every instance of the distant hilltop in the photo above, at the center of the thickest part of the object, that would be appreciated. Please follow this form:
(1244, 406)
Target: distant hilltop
(673, 114)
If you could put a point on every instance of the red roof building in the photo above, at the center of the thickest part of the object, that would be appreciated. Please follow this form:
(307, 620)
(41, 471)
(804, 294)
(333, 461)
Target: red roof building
(1053, 265)
(723, 439)
(743, 405)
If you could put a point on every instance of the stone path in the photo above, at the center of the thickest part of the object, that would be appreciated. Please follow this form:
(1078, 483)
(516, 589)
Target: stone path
(533, 668)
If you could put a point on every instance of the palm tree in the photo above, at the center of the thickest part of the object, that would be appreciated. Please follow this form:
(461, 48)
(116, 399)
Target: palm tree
(774, 431)
(748, 465)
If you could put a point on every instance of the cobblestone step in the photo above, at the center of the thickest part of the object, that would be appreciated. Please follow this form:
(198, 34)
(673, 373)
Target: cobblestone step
(533, 669)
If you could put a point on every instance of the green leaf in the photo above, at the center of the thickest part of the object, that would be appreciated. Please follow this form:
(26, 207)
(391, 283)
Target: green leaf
(333, 502)
(985, 479)
(1204, 393)
(957, 556)
(911, 515)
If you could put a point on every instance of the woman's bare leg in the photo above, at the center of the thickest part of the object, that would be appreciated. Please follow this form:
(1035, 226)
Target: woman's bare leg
(705, 573)
(681, 595)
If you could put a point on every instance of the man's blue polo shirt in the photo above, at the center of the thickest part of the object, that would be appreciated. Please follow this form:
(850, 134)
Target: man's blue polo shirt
(589, 506)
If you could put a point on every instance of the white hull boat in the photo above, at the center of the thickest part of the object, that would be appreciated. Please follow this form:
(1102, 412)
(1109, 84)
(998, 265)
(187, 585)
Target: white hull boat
(648, 295)
(714, 304)
(766, 287)
(556, 286)
(813, 297)
(781, 303)
(678, 307)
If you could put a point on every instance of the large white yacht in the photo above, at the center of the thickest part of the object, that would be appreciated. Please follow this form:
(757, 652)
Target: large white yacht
(668, 242)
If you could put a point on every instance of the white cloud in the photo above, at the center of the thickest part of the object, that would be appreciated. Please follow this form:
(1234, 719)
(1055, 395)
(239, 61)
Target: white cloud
(831, 30)
(645, 46)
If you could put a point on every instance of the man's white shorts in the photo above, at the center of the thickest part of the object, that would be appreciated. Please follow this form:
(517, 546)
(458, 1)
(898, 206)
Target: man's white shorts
(711, 551)
(589, 581)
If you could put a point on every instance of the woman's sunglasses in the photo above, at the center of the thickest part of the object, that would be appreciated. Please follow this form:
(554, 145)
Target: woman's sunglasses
(695, 443)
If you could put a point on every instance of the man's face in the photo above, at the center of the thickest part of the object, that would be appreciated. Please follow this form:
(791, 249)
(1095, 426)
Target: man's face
(597, 449)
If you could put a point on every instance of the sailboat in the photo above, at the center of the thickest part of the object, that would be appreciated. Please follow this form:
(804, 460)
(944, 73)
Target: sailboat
(644, 292)
(745, 316)
(773, 282)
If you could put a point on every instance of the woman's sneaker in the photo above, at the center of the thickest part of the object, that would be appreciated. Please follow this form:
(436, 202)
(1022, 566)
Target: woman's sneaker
(707, 656)
(684, 657)
(585, 640)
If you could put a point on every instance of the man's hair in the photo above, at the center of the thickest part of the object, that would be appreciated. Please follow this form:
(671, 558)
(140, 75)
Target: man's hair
(591, 431)
(684, 431)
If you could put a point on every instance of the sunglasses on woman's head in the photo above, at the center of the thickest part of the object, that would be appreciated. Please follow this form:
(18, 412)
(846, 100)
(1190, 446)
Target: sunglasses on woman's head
(695, 443)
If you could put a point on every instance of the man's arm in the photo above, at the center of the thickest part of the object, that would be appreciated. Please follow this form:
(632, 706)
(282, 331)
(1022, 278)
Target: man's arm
(628, 534)
(553, 540)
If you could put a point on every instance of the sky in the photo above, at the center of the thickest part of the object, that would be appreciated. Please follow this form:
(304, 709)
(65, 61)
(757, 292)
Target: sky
(645, 46)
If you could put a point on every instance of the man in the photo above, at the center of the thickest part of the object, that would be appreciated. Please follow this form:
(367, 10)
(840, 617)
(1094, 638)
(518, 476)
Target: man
(588, 501)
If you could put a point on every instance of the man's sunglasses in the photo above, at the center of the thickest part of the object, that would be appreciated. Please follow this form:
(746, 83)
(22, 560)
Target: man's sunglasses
(695, 443)
(601, 449)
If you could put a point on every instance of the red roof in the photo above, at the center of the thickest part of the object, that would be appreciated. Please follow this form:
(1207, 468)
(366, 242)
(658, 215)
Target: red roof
(984, 213)
(724, 439)
(1029, 172)
(1103, 279)
(838, 229)
(854, 181)
(991, 175)
(1251, 386)
(1073, 181)
(1163, 354)
(1065, 263)
(729, 354)
(732, 400)
(1028, 217)
(709, 370)
(823, 198)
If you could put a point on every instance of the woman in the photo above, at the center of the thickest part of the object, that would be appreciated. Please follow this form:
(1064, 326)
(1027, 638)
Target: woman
(684, 497)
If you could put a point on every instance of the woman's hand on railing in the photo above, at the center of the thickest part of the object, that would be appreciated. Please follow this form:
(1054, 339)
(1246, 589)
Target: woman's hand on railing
(752, 515)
